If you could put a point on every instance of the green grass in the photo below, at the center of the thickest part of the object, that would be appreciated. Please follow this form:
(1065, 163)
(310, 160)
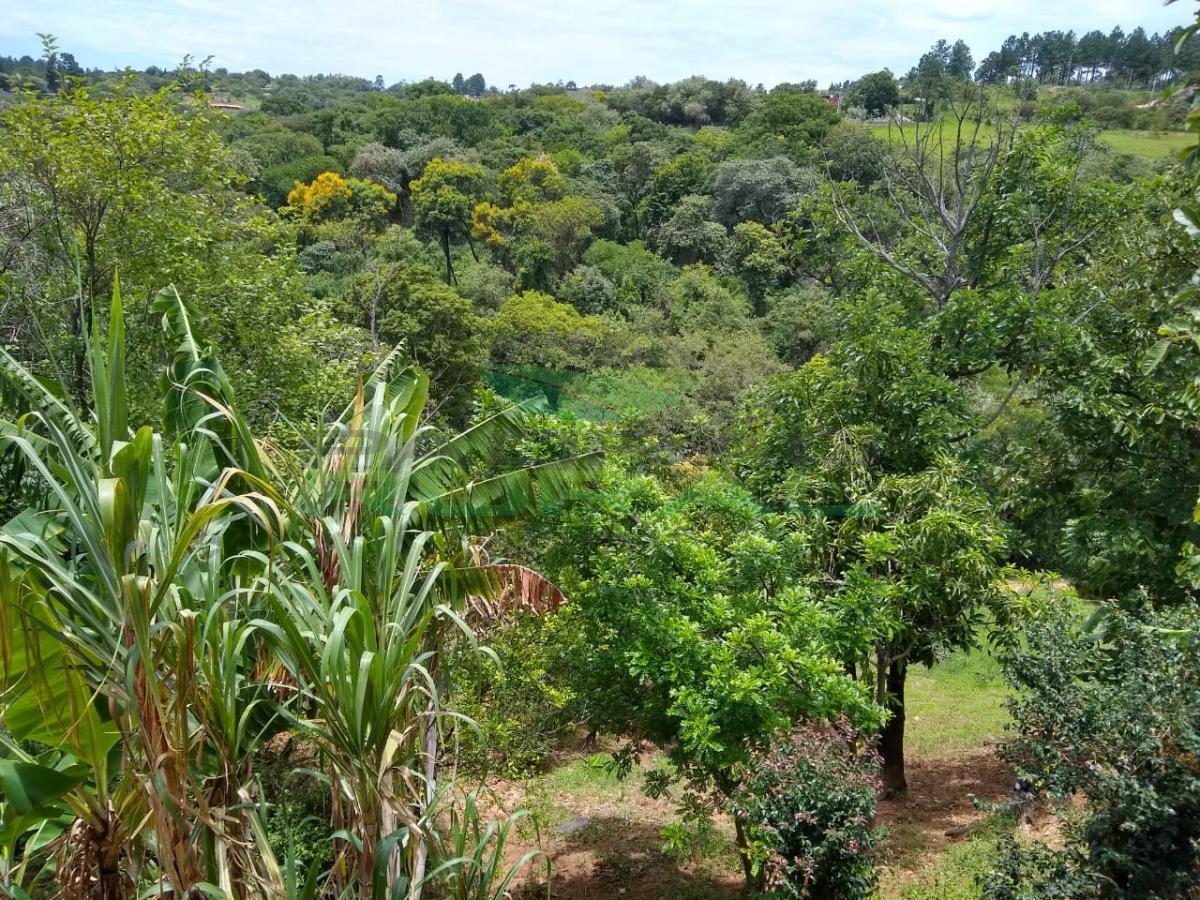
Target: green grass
(955, 874)
(589, 778)
(1150, 144)
(898, 134)
(955, 706)
(1146, 144)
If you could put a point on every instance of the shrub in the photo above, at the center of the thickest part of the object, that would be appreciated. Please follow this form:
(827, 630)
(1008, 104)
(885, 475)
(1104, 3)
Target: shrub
(1036, 872)
(810, 805)
(521, 709)
(1111, 711)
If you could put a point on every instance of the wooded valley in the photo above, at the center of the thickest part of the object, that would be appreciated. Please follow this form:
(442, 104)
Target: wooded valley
(658, 490)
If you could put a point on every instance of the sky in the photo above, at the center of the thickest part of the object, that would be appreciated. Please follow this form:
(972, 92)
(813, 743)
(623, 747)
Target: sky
(524, 41)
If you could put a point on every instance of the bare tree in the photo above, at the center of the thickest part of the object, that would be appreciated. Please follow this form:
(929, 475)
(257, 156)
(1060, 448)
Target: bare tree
(975, 213)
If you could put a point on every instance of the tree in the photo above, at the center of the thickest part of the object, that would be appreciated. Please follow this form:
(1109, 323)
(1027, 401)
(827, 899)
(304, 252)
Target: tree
(475, 86)
(961, 63)
(641, 276)
(141, 182)
(953, 186)
(566, 226)
(531, 181)
(689, 235)
(383, 165)
(404, 303)
(759, 190)
(50, 56)
(757, 254)
(80, 171)
(800, 322)
(443, 198)
(539, 229)
(698, 303)
(862, 440)
(397, 169)
(851, 152)
(876, 92)
(687, 174)
(589, 290)
(330, 198)
(790, 124)
(691, 628)
(532, 328)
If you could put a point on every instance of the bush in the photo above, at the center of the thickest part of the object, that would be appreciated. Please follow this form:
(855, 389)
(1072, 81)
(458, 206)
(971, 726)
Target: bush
(810, 804)
(1036, 872)
(1111, 711)
(1114, 116)
(521, 709)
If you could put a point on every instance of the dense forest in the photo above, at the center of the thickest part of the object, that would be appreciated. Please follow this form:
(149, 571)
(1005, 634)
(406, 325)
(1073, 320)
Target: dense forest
(397, 480)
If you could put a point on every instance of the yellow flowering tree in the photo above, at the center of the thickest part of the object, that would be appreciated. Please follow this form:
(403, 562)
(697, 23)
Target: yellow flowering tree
(535, 227)
(443, 198)
(330, 198)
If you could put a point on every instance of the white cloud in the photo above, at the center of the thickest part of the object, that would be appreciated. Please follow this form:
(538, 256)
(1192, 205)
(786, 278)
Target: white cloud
(510, 41)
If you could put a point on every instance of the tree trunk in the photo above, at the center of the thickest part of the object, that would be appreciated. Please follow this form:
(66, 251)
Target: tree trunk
(891, 738)
(754, 883)
(446, 251)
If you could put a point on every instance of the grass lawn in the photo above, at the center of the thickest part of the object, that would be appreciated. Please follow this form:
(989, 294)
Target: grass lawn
(1147, 144)
(899, 134)
(957, 705)
(1152, 144)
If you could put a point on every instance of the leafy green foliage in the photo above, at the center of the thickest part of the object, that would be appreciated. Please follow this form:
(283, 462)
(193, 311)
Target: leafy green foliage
(532, 328)
(689, 627)
(1107, 710)
(522, 704)
(809, 802)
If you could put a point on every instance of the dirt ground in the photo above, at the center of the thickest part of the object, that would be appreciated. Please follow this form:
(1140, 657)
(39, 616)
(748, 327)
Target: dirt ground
(606, 845)
(939, 810)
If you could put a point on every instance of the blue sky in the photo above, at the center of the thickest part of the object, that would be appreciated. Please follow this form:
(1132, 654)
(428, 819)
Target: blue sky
(519, 41)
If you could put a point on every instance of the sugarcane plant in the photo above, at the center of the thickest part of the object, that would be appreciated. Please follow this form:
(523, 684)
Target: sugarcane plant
(127, 652)
(177, 596)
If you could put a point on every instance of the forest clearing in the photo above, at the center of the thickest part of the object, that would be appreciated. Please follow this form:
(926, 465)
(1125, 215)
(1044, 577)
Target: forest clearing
(603, 835)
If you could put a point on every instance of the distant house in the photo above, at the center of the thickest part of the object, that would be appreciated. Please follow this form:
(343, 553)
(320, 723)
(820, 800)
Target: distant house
(228, 107)
(834, 100)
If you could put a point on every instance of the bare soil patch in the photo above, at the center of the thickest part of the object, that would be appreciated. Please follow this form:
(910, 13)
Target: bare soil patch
(607, 844)
(940, 808)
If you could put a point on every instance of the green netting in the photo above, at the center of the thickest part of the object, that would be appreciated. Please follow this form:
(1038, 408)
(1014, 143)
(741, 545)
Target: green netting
(593, 396)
